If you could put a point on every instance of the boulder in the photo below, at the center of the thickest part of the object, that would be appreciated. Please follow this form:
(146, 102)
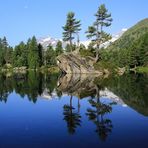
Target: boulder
(72, 63)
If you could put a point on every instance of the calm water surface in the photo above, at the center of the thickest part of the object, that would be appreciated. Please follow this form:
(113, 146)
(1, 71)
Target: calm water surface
(42, 110)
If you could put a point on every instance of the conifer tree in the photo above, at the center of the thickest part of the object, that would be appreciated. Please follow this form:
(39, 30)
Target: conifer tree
(103, 19)
(33, 56)
(50, 56)
(40, 53)
(59, 48)
(71, 28)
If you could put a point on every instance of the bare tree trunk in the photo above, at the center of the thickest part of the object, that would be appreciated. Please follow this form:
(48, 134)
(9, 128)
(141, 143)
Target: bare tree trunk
(70, 42)
(78, 43)
(98, 46)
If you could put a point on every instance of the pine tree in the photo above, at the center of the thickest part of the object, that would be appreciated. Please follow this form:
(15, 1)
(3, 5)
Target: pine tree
(59, 48)
(133, 56)
(103, 19)
(68, 48)
(40, 50)
(143, 50)
(71, 28)
(2, 61)
(4, 42)
(50, 56)
(33, 56)
(5, 48)
(20, 54)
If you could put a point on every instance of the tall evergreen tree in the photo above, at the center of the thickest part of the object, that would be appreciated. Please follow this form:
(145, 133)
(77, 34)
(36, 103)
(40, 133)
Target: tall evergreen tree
(40, 52)
(20, 54)
(2, 61)
(5, 49)
(103, 19)
(71, 28)
(33, 56)
(5, 52)
(50, 56)
(4, 42)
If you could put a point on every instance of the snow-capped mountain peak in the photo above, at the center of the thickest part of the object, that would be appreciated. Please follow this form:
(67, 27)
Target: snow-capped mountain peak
(45, 41)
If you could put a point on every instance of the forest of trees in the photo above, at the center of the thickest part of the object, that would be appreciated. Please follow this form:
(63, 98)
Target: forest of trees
(30, 55)
(131, 49)
(131, 57)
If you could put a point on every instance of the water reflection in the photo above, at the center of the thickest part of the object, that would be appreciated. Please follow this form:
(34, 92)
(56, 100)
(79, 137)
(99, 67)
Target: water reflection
(132, 89)
(129, 89)
(72, 117)
(96, 115)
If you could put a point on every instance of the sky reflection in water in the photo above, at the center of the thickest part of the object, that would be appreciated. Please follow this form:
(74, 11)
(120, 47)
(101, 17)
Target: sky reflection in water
(78, 112)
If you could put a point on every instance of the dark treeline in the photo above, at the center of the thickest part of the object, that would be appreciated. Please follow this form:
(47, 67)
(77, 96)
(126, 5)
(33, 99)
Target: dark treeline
(131, 88)
(30, 55)
(31, 84)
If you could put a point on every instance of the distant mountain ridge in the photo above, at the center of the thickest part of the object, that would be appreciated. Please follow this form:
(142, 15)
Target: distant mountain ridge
(45, 41)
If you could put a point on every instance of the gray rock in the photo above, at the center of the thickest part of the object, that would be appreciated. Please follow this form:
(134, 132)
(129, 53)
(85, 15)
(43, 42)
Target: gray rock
(72, 63)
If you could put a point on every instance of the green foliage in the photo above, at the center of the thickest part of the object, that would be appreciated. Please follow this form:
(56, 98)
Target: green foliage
(59, 48)
(20, 55)
(132, 89)
(102, 65)
(136, 54)
(130, 36)
(85, 53)
(30, 84)
(5, 52)
(103, 19)
(71, 28)
(40, 53)
(50, 56)
(70, 48)
(33, 56)
(30, 55)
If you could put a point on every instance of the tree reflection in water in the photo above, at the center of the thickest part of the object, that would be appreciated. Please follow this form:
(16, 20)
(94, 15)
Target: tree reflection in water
(33, 84)
(72, 117)
(96, 114)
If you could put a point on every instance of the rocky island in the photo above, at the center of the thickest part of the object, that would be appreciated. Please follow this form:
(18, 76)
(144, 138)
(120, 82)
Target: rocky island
(72, 63)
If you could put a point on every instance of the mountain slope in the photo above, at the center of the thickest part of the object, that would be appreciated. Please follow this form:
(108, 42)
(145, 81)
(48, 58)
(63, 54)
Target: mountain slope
(131, 35)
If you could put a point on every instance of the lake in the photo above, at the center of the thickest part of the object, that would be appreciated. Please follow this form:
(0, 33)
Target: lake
(48, 110)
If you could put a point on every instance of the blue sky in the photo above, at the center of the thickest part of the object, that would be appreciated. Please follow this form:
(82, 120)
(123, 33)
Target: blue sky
(21, 19)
